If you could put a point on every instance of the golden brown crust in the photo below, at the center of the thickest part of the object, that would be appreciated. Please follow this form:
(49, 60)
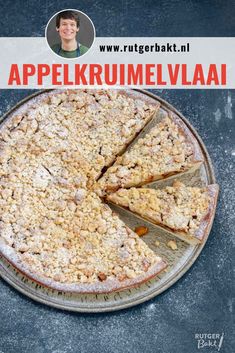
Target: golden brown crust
(96, 288)
(206, 223)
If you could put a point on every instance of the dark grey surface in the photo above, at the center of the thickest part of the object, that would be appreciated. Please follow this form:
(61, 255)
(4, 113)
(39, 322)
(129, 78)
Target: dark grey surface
(202, 301)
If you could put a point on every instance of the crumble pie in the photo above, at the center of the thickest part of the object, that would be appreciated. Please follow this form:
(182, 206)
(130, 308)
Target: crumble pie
(168, 149)
(186, 210)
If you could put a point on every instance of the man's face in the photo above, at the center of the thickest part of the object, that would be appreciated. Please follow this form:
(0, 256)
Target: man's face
(68, 29)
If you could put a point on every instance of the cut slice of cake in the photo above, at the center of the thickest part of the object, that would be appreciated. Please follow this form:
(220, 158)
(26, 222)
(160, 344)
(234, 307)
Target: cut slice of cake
(187, 211)
(69, 240)
(169, 148)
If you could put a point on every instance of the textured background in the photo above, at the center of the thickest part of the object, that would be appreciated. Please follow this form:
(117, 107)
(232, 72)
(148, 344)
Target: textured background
(201, 302)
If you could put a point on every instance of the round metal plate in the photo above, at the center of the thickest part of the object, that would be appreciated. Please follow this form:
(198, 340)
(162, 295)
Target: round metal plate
(179, 261)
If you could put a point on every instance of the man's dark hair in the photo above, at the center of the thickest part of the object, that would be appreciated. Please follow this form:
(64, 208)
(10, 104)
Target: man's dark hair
(67, 15)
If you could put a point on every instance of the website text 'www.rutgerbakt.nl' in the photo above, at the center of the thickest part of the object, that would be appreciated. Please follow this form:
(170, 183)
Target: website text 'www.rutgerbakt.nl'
(145, 48)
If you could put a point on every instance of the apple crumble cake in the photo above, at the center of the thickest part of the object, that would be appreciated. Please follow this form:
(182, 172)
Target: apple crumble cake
(62, 150)
(186, 210)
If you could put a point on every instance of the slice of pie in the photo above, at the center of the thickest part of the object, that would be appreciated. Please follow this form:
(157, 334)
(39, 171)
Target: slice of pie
(169, 148)
(187, 211)
(69, 240)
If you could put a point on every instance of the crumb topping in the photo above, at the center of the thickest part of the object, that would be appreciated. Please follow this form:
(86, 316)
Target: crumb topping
(178, 207)
(73, 239)
(164, 150)
(50, 155)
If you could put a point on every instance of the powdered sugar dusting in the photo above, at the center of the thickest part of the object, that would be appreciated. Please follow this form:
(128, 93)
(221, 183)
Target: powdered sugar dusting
(228, 107)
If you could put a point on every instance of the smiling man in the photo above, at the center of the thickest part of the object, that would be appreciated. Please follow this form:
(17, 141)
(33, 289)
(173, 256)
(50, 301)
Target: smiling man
(67, 25)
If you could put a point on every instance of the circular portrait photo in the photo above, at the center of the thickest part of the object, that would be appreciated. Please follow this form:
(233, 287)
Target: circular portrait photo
(70, 33)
